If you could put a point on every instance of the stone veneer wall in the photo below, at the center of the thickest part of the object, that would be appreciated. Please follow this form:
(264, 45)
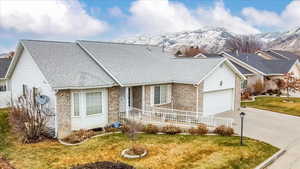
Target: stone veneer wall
(63, 108)
(237, 101)
(113, 103)
(184, 96)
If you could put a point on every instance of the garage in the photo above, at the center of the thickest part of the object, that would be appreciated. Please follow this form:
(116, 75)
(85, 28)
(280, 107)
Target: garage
(218, 101)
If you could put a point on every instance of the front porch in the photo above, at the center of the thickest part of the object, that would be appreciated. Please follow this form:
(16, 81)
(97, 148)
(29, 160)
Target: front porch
(139, 104)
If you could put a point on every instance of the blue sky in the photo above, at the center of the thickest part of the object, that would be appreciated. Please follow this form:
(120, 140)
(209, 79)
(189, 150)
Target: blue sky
(69, 20)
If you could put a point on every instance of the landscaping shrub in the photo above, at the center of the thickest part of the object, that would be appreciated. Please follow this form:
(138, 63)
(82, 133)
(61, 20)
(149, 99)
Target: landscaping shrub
(258, 88)
(79, 136)
(137, 150)
(246, 95)
(224, 131)
(109, 129)
(151, 129)
(200, 130)
(171, 130)
(104, 165)
(28, 119)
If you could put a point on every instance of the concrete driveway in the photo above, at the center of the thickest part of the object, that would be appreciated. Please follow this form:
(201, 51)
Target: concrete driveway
(280, 130)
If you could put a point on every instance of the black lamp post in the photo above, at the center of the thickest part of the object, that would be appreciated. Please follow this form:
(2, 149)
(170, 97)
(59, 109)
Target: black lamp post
(242, 114)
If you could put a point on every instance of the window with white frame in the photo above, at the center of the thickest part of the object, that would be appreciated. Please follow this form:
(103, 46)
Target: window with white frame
(87, 103)
(162, 94)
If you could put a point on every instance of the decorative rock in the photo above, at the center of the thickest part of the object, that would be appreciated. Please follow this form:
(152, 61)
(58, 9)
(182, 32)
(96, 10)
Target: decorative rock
(125, 155)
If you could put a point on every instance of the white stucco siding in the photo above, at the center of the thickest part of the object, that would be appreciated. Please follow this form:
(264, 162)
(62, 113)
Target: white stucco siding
(27, 73)
(219, 90)
(222, 78)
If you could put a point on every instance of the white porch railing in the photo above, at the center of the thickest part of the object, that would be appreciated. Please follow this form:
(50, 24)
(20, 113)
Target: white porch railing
(162, 116)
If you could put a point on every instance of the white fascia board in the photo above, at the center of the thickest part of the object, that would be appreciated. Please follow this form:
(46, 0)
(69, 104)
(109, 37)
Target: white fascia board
(235, 69)
(89, 87)
(19, 50)
(296, 62)
(243, 64)
(210, 72)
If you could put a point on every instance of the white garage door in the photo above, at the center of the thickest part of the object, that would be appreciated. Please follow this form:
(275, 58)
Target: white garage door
(217, 101)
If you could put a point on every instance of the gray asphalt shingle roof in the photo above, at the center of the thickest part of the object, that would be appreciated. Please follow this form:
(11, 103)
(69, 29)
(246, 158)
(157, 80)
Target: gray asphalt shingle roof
(263, 65)
(69, 65)
(142, 64)
(242, 69)
(288, 54)
(65, 64)
(4, 64)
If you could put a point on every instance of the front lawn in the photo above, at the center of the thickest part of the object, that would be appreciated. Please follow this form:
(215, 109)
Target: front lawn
(276, 104)
(165, 151)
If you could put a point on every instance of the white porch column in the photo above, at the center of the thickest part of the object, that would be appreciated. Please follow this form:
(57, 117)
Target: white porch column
(126, 101)
(143, 98)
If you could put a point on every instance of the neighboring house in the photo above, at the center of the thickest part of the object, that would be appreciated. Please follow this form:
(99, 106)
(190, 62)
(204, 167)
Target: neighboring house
(87, 82)
(4, 82)
(265, 66)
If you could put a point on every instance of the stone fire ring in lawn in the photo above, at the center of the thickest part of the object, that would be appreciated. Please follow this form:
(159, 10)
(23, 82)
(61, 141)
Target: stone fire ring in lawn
(125, 155)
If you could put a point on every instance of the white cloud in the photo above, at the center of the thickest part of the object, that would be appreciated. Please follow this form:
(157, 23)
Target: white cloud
(222, 17)
(49, 17)
(168, 16)
(116, 12)
(161, 16)
(288, 18)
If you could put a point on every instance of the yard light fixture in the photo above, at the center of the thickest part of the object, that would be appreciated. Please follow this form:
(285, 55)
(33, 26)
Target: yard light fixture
(242, 114)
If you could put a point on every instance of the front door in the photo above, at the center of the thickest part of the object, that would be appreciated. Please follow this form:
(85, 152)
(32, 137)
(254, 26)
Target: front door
(89, 109)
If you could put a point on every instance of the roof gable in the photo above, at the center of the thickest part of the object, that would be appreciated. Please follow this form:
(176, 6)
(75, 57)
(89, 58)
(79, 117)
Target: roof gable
(65, 65)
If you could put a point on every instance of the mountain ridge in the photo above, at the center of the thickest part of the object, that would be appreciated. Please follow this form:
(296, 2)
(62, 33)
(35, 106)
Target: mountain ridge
(213, 39)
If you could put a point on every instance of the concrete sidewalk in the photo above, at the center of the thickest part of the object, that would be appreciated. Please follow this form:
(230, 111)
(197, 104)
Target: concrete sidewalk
(280, 130)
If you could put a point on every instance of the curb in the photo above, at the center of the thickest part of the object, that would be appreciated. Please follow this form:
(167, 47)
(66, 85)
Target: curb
(254, 97)
(270, 160)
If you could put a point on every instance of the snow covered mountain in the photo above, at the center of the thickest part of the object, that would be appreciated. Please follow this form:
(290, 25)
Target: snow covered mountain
(211, 40)
(289, 40)
(214, 39)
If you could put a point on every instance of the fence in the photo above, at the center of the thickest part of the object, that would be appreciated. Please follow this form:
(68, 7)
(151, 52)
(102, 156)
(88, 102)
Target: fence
(162, 116)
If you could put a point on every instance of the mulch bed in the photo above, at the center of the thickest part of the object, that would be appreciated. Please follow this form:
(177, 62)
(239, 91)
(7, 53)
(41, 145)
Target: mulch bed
(4, 164)
(104, 165)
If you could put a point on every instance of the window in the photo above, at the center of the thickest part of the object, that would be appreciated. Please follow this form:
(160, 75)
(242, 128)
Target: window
(244, 84)
(161, 94)
(93, 103)
(76, 104)
(2, 86)
(88, 103)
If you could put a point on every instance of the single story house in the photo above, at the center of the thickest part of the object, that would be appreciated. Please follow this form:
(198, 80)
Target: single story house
(88, 81)
(264, 66)
(4, 82)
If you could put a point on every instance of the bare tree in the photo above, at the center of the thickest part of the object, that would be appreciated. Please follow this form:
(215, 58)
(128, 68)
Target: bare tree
(244, 44)
(292, 84)
(28, 118)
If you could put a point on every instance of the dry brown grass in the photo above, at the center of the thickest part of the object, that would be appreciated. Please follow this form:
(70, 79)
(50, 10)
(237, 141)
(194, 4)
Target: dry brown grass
(165, 151)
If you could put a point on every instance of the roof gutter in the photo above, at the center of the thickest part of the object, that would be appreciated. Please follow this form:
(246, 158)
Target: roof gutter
(98, 62)
(79, 88)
